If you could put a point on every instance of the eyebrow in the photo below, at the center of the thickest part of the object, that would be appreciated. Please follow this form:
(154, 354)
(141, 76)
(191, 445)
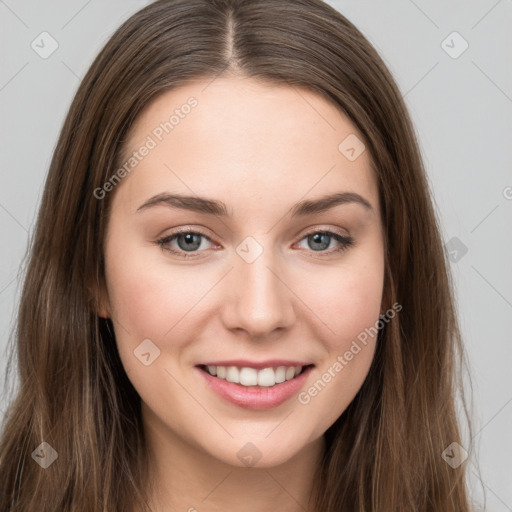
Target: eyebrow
(218, 208)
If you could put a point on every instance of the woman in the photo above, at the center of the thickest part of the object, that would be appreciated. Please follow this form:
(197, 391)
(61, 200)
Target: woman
(303, 354)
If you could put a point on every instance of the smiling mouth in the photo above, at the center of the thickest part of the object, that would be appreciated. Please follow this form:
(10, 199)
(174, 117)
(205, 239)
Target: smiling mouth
(252, 377)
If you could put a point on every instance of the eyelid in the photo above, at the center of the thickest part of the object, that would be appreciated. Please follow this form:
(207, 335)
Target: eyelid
(318, 228)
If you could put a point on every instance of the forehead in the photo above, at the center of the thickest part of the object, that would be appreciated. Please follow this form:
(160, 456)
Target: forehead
(242, 138)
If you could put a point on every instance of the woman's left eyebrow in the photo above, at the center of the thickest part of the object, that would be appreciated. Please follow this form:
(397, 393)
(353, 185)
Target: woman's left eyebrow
(215, 207)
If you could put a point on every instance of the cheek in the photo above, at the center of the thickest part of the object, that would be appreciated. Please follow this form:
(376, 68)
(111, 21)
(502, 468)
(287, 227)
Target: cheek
(346, 299)
(150, 299)
(349, 305)
(351, 318)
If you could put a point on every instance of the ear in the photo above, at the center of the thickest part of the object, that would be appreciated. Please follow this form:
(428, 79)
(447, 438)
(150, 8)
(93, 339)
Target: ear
(100, 300)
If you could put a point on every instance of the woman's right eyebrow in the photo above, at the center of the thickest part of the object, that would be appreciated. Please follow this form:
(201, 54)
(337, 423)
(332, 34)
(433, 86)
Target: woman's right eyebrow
(215, 207)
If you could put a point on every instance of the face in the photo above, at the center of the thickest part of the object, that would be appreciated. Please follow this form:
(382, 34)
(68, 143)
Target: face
(265, 277)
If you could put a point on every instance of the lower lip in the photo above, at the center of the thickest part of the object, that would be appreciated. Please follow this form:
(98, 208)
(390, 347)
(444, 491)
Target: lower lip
(256, 397)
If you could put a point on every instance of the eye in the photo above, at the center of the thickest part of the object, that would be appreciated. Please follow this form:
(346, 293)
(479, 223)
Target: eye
(188, 242)
(321, 240)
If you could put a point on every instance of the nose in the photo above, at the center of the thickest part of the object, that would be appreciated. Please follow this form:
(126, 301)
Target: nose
(260, 300)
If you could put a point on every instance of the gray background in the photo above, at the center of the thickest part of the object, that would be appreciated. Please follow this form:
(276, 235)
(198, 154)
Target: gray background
(461, 108)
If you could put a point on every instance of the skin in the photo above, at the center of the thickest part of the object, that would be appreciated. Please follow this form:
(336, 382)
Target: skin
(259, 148)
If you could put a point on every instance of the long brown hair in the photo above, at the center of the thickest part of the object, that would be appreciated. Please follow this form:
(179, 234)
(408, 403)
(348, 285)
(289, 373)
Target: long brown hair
(384, 453)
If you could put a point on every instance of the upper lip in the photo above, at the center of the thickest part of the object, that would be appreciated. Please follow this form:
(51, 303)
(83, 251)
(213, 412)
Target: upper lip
(269, 363)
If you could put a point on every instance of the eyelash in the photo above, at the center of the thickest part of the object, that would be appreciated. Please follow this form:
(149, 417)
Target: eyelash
(345, 241)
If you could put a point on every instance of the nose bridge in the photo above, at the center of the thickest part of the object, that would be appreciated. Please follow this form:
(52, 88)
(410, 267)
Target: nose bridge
(261, 302)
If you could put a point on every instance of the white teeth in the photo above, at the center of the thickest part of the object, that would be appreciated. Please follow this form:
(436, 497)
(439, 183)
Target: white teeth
(266, 377)
(246, 376)
(232, 374)
(280, 374)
